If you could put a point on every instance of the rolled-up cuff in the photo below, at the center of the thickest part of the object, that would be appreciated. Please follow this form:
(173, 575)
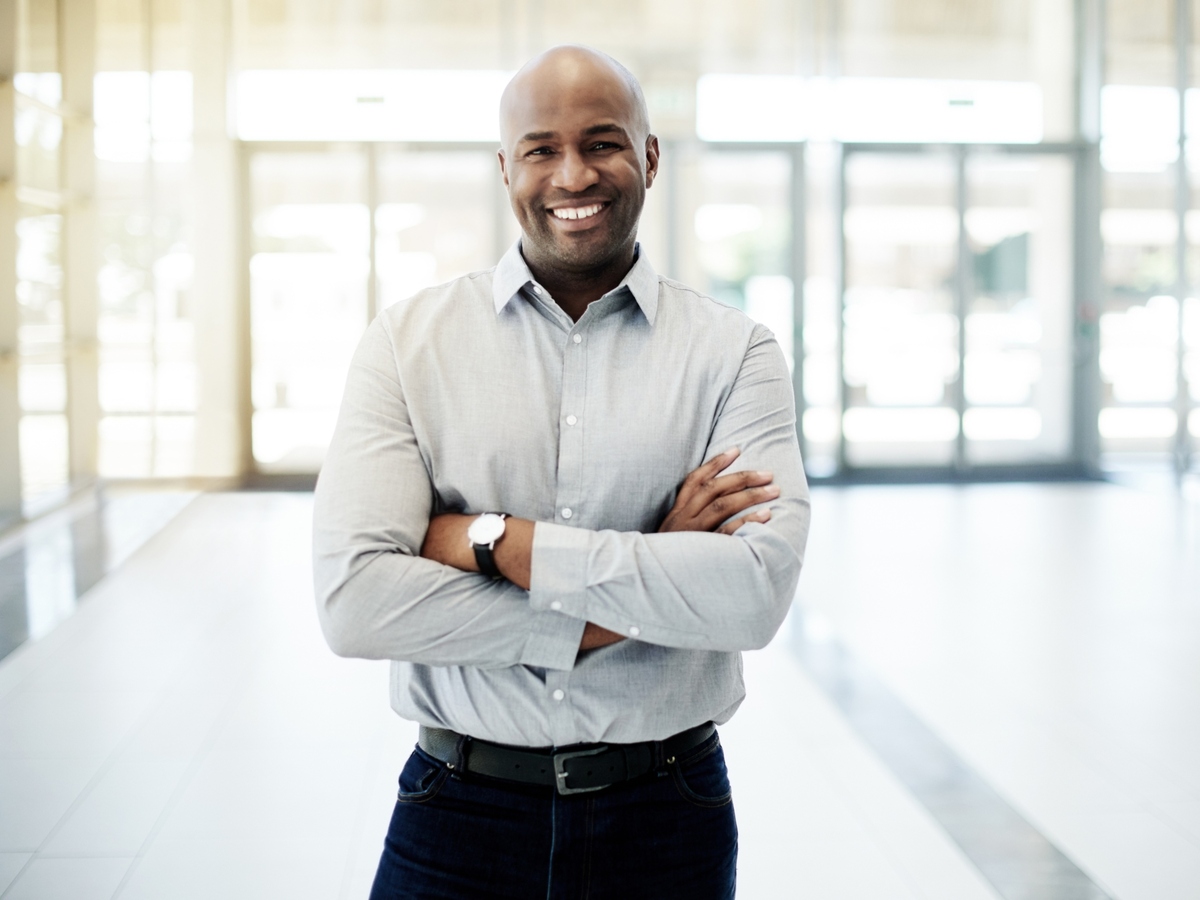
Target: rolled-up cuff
(553, 643)
(558, 569)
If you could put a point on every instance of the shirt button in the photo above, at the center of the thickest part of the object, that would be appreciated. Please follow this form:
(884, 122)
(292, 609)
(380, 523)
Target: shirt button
(571, 420)
(577, 338)
(634, 631)
(536, 289)
(566, 513)
(556, 606)
(558, 695)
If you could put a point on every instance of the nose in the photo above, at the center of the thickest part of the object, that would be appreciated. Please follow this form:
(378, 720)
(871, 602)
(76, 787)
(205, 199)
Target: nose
(574, 172)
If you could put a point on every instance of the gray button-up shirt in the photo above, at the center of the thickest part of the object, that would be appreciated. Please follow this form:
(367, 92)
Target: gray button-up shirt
(481, 395)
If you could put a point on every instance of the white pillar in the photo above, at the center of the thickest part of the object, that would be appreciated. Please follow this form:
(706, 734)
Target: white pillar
(10, 413)
(1052, 38)
(77, 43)
(222, 416)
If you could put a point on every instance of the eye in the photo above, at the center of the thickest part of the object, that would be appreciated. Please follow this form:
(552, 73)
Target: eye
(540, 151)
(606, 145)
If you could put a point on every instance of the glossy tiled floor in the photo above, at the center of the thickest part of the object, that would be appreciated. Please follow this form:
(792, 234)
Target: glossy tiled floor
(185, 733)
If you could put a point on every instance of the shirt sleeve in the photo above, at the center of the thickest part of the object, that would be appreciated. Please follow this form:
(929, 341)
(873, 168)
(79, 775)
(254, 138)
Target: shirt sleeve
(697, 590)
(376, 597)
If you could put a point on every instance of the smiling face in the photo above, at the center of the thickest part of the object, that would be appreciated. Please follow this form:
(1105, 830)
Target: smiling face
(577, 159)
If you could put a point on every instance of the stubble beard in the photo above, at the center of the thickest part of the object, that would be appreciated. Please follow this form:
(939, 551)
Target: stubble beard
(588, 253)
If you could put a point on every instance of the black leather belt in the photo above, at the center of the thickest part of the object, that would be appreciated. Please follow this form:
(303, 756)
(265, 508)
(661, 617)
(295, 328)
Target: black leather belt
(572, 770)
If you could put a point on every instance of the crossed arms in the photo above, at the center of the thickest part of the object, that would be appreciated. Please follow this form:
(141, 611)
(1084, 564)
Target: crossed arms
(392, 582)
(707, 501)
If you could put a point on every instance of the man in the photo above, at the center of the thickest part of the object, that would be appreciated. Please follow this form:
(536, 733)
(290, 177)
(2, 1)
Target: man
(517, 510)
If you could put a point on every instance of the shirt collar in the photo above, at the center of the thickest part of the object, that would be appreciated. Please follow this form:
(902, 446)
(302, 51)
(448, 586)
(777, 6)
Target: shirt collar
(512, 274)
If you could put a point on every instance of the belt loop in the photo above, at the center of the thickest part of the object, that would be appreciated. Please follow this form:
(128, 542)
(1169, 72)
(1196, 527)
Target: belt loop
(659, 755)
(460, 753)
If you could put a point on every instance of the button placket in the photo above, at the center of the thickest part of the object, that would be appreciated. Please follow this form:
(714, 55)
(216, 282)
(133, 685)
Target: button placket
(558, 704)
(570, 438)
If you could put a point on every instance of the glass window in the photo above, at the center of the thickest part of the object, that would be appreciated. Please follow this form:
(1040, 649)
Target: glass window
(310, 259)
(41, 376)
(1139, 228)
(143, 145)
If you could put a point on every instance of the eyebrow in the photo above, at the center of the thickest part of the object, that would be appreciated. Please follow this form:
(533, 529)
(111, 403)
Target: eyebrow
(602, 128)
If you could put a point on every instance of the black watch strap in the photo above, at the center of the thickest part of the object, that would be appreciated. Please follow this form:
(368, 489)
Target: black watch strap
(486, 561)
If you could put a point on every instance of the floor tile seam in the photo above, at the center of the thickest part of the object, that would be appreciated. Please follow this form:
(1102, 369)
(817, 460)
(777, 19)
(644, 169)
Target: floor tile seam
(85, 856)
(966, 749)
(47, 647)
(934, 721)
(111, 760)
(85, 620)
(185, 780)
(81, 625)
(218, 621)
(1171, 822)
(106, 766)
(1034, 817)
(1181, 781)
(846, 655)
(871, 826)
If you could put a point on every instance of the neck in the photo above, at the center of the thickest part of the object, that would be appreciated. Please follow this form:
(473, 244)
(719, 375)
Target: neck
(574, 290)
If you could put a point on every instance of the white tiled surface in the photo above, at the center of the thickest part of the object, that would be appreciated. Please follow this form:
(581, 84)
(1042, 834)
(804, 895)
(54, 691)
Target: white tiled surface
(1050, 634)
(10, 865)
(70, 879)
(187, 734)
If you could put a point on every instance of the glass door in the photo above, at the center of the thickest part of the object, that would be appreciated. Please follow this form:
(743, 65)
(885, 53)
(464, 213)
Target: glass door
(337, 233)
(899, 328)
(309, 268)
(956, 307)
(438, 215)
(737, 207)
(1018, 366)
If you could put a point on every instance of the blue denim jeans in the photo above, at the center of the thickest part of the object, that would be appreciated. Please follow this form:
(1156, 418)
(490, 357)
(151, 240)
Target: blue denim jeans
(668, 834)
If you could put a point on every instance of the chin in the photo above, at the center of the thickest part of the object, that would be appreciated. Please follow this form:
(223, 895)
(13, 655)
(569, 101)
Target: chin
(586, 252)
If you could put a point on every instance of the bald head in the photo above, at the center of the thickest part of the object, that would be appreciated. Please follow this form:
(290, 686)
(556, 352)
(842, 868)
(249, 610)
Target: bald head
(577, 158)
(557, 78)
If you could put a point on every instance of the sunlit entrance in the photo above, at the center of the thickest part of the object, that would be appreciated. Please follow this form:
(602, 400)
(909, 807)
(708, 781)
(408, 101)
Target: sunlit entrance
(933, 330)
(336, 233)
(956, 306)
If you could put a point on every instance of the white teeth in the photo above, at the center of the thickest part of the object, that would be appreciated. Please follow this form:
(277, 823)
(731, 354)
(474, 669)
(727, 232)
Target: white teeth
(577, 212)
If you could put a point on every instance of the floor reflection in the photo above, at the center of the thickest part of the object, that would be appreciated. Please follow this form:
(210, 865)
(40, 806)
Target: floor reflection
(49, 565)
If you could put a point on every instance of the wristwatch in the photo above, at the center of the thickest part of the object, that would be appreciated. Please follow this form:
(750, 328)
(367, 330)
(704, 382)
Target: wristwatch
(483, 534)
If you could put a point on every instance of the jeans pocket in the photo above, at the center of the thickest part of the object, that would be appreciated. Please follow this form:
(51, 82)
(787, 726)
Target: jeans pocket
(421, 778)
(702, 778)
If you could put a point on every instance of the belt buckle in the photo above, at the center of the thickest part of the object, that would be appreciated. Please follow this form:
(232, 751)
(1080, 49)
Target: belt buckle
(561, 774)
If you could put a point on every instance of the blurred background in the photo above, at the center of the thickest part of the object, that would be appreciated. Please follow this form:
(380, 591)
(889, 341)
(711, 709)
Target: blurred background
(973, 226)
(970, 224)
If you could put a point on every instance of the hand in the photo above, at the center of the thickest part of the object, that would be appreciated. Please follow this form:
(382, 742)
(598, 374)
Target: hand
(707, 498)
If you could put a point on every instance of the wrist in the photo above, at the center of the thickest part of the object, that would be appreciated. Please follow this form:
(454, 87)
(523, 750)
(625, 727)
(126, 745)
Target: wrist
(483, 534)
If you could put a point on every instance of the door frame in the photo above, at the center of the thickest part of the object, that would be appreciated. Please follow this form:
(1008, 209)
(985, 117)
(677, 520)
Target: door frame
(1086, 259)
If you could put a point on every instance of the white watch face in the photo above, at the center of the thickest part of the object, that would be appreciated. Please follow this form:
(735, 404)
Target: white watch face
(486, 529)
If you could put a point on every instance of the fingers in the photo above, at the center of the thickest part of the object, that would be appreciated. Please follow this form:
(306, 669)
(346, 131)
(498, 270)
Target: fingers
(721, 493)
(706, 499)
(760, 515)
(726, 505)
(709, 470)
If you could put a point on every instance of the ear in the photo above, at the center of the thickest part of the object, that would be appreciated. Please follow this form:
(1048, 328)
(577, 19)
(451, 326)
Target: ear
(651, 159)
(503, 167)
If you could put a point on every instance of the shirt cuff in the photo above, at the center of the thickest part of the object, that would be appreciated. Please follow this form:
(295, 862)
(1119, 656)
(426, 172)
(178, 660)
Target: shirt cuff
(558, 569)
(553, 642)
